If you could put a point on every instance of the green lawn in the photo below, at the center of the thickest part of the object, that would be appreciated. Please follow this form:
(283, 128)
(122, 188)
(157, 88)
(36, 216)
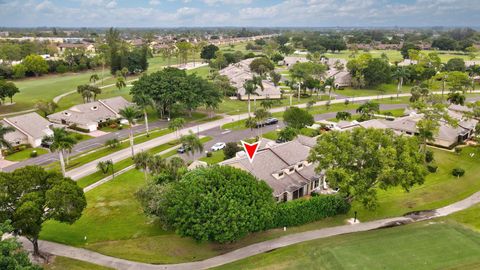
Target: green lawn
(46, 88)
(216, 157)
(416, 246)
(439, 189)
(25, 154)
(63, 263)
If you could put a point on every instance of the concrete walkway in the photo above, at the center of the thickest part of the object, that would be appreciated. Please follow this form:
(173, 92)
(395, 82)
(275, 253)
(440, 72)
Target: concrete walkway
(262, 247)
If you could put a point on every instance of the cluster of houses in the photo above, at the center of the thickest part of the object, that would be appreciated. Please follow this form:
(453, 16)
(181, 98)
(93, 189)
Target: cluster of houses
(240, 72)
(337, 68)
(31, 128)
(285, 168)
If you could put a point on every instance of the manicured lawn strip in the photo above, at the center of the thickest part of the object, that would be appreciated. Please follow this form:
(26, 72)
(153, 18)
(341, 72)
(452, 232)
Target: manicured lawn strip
(271, 135)
(98, 175)
(216, 157)
(62, 263)
(25, 154)
(83, 159)
(416, 246)
(469, 217)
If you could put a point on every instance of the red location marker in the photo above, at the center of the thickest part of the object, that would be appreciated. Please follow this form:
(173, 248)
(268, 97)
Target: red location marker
(251, 149)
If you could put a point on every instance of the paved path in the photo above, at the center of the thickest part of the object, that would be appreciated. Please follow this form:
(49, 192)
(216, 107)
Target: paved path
(262, 247)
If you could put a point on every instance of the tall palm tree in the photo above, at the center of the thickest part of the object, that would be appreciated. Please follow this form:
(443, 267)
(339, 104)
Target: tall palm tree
(330, 81)
(250, 89)
(143, 102)
(141, 161)
(260, 116)
(400, 74)
(130, 114)
(3, 142)
(192, 143)
(61, 142)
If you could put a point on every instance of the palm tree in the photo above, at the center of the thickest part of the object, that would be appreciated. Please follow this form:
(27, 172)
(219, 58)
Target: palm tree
(192, 143)
(143, 101)
(250, 89)
(367, 109)
(330, 81)
(61, 142)
(399, 74)
(95, 91)
(120, 83)
(3, 142)
(156, 164)
(260, 116)
(141, 161)
(94, 78)
(130, 114)
(176, 124)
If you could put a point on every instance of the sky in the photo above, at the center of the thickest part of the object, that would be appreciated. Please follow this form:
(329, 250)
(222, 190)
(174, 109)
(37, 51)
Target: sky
(261, 13)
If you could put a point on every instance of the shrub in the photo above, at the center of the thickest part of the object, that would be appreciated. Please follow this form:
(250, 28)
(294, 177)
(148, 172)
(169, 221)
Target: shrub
(209, 154)
(432, 168)
(458, 172)
(120, 127)
(75, 127)
(429, 156)
(219, 203)
(458, 150)
(299, 212)
(112, 143)
(230, 150)
(78, 137)
(33, 154)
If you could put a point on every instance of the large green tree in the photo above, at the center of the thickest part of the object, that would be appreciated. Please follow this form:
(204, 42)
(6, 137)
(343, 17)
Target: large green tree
(297, 118)
(220, 204)
(32, 195)
(364, 160)
(35, 64)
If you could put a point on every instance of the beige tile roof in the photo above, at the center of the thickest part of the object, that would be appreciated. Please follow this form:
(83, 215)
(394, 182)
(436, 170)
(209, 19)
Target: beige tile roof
(31, 123)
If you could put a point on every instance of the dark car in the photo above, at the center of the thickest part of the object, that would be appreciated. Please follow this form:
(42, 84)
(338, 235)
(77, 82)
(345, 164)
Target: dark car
(182, 149)
(46, 144)
(271, 121)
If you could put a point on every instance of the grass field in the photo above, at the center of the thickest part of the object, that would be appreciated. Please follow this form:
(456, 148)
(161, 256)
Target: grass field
(216, 157)
(395, 56)
(417, 246)
(25, 154)
(63, 263)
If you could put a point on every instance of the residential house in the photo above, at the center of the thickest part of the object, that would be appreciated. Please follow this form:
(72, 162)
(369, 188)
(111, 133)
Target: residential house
(239, 73)
(337, 68)
(289, 61)
(88, 47)
(89, 115)
(284, 167)
(30, 129)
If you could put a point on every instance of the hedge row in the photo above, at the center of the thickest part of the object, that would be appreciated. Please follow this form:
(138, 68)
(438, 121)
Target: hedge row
(300, 212)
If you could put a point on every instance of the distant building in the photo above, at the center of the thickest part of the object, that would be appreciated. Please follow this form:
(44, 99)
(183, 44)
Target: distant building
(88, 47)
(240, 72)
(89, 115)
(30, 129)
(289, 61)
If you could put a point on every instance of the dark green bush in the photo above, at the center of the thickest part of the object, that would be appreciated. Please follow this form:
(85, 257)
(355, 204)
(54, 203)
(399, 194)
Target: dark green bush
(209, 154)
(33, 154)
(432, 168)
(301, 211)
(458, 172)
(429, 156)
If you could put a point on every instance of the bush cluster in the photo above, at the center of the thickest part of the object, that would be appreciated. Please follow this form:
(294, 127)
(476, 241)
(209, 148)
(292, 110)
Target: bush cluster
(300, 212)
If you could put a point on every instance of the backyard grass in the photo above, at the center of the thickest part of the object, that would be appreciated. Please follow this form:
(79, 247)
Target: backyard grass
(25, 154)
(217, 157)
(63, 263)
(395, 56)
(417, 246)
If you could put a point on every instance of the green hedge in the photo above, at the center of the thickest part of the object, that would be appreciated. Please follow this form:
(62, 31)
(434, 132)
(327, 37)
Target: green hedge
(298, 212)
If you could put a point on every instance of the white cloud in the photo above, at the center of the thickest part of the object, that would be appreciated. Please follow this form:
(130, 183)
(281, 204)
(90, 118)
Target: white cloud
(227, 2)
(111, 4)
(154, 2)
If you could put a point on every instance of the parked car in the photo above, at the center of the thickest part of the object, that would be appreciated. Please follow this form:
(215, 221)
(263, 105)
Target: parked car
(46, 144)
(182, 149)
(271, 121)
(218, 146)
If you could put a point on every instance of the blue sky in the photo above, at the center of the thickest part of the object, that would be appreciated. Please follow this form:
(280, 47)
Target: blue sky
(199, 13)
